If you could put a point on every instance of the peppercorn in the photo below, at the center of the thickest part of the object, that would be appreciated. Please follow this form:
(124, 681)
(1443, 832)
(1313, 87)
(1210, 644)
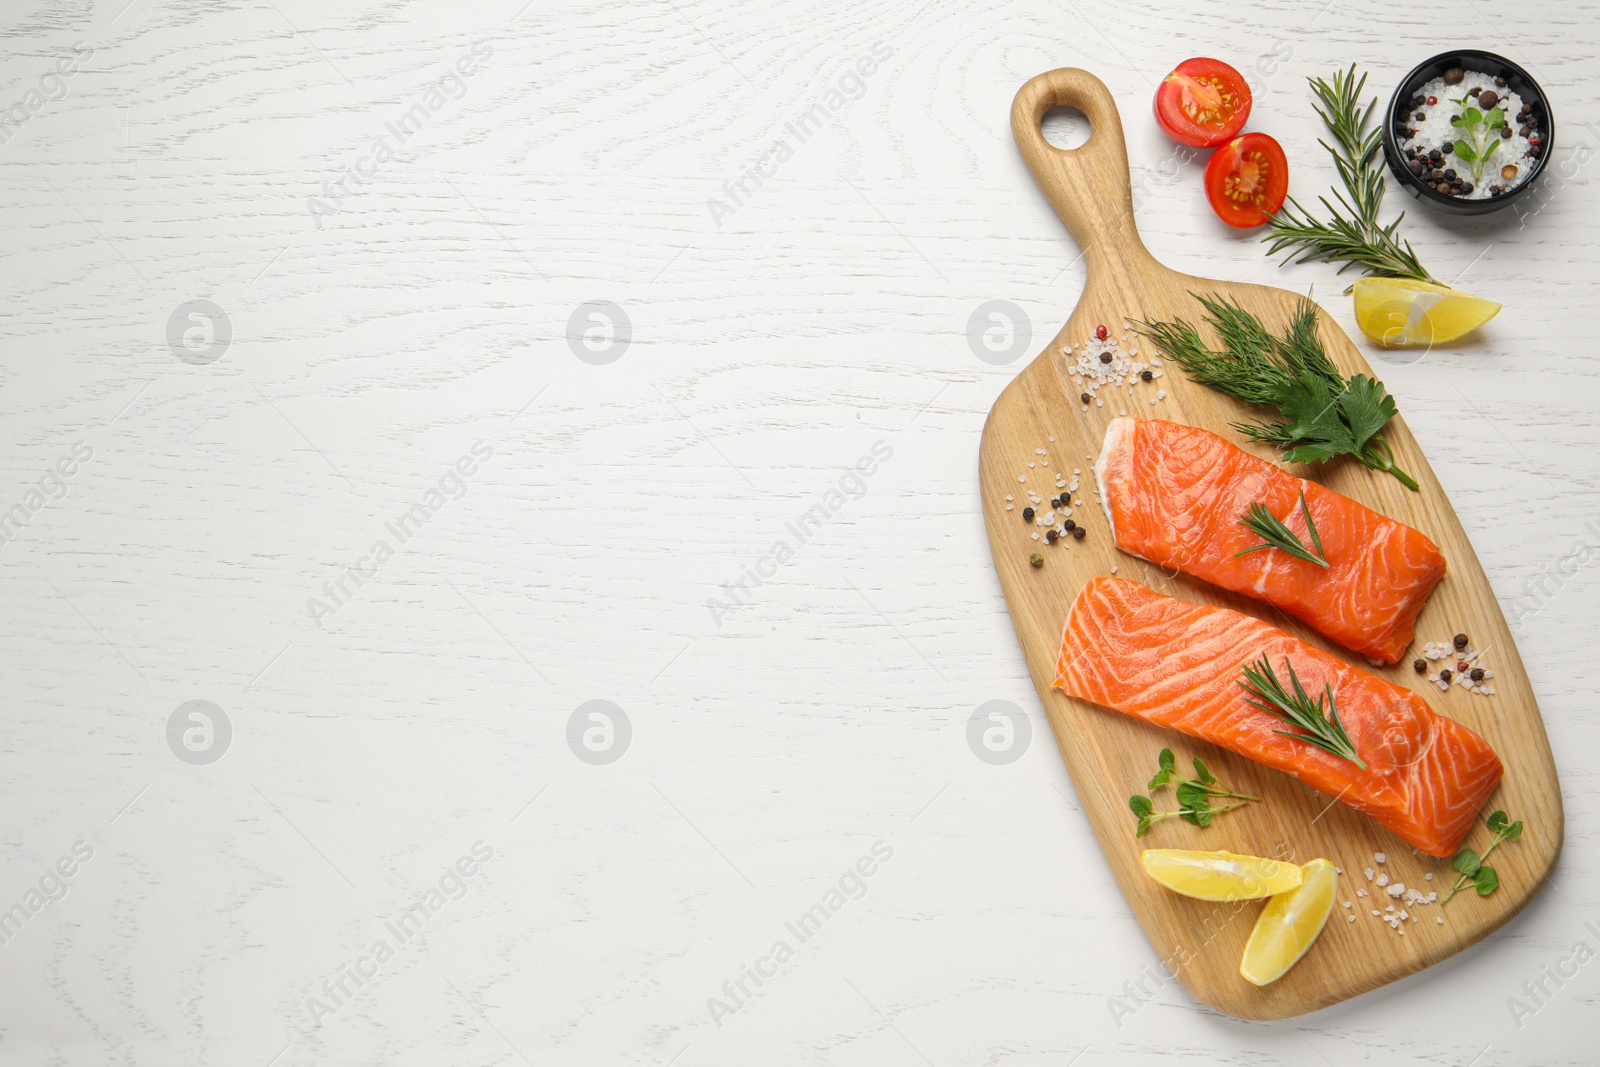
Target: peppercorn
(1477, 674)
(1466, 187)
(1421, 116)
(1448, 147)
(1488, 98)
(1420, 666)
(1100, 332)
(1085, 397)
(1416, 167)
(1454, 75)
(1500, 82)
(1036, 559)
(1432, 100)
(1505, 133)
(1105, 357)
(1078, 533)
(1444, 675)
(1051, 536)
(1146, 376)
(1450, 174)
(1071, 526)
(1474, 91)
(1460, 641)
(1027, 514)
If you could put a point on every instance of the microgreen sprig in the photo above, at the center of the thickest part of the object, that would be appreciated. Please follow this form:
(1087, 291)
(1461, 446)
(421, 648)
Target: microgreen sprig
(1473, 870)
(1274, 533)
(1267, 693)
(1482, 127)
(1194, 795)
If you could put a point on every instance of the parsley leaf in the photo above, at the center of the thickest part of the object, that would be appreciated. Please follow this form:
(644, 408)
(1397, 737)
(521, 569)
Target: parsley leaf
(1327, 415)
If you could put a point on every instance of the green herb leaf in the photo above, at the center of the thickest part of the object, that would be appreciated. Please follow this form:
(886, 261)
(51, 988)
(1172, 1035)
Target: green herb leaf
(1474, 870)
(1202, 773)
(1264, 692)
(1144, 826)
(1328, 416)
(1366, 408)
(1193, 795)
(1495, 119)
(1197, 816)
(1471, 117)
(1275, 533)
(1140, 805)
(1463, 152)
(1352, 235)
(1168, 761)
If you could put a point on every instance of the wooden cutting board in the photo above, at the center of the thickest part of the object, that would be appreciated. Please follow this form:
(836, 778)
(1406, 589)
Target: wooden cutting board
(1112, 756)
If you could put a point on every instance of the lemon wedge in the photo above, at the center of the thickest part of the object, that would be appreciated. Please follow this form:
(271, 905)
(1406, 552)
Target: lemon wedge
(1400, 312)
(1289, 924)
(1219, 875)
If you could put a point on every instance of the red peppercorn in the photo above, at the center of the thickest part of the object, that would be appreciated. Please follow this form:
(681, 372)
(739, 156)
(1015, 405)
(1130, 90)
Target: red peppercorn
(1461, 665)
(1533, 138)
(1100, 332)
(1432, 100)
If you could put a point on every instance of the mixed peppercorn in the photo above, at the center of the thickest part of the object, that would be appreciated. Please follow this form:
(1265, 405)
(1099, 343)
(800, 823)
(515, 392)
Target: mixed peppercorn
(1430, 164)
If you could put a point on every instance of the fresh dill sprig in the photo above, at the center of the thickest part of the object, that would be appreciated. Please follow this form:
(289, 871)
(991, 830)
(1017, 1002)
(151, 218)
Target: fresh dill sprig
(1352, 235)
(1274, 533)
(1328, 415)
(1267, 693)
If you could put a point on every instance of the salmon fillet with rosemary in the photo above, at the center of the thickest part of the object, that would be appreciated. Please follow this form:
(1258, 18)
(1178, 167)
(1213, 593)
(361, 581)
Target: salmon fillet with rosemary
(1179, 665)
(1174, 495)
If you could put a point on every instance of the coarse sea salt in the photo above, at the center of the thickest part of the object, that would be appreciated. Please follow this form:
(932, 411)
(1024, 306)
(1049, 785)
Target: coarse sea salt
(1434, 129)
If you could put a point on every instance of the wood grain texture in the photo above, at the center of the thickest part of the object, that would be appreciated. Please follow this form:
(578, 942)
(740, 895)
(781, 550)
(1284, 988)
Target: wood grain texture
(769, 353)
(1111, 755)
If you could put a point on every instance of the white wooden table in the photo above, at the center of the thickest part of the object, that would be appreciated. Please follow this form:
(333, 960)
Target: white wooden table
(236, 459)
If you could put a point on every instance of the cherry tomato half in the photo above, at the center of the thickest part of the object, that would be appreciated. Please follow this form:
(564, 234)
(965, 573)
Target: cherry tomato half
(1247, 180)
(1202, 103)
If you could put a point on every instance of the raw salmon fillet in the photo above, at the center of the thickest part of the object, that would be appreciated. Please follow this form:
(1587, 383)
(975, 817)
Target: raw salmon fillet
(1178, 665)
(1174, 495)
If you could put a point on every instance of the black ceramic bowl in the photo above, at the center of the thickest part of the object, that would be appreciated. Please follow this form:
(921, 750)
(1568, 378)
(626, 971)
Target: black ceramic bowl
(1488, 63)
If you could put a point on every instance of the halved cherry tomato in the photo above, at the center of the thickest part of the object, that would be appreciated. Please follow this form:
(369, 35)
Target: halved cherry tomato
(1247, 180)
(1202, 103)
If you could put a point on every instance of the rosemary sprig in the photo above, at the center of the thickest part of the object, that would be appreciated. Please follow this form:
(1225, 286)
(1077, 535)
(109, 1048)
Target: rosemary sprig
(1327, 415)
(1267, 693)
(1275, 534)
(1352, 236)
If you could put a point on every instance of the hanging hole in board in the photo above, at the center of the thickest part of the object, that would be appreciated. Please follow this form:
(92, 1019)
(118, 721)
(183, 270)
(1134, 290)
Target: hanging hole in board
(1065, 127)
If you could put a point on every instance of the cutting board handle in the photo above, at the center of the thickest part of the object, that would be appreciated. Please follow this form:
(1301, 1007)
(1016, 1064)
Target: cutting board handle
(1088, 186)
